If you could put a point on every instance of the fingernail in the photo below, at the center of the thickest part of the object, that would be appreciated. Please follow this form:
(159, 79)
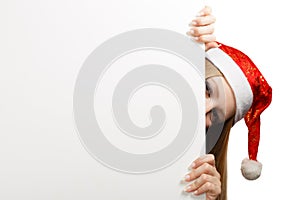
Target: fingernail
(192, 31)
(187, 178)
(192, 165)
(196, 38)
(193, 23)
(196, 192)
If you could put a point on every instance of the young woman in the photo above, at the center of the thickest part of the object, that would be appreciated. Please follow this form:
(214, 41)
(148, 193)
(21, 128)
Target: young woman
(235, 89)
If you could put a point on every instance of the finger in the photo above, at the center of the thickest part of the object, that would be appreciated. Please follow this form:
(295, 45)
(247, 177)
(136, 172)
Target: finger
(207, 158)
(203, 20)
(203, 169)
(205, 38)
(210, 45)
(202, 30)
(208, 188)
(205, 11)
(202, 180)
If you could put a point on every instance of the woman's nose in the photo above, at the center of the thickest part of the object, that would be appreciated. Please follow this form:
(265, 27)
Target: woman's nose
(209, 105)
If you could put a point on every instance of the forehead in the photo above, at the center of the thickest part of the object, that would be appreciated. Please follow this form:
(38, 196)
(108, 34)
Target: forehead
(211, 70)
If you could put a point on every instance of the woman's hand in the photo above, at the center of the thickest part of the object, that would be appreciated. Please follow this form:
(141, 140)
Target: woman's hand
(205, 177)
(202, 28)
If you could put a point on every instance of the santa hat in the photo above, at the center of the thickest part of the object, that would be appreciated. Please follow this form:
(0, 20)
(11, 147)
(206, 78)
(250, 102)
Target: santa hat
(252, 96)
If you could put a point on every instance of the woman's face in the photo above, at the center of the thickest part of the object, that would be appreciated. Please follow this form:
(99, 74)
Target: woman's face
(220, 101)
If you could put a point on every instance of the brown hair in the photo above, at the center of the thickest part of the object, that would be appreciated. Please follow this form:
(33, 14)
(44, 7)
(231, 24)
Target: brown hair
(220, 153)
(220, 148)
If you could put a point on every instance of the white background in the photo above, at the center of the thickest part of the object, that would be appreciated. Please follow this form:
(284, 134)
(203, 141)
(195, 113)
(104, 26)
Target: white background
(43, 42)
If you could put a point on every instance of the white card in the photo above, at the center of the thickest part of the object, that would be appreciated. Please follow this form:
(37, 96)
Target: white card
(139, 110)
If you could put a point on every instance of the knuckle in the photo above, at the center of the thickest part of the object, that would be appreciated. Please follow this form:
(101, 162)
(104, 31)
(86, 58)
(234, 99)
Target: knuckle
(206, 167)
(192, 175)
(220, 189)
(196, 183)
(204, 177)
(196, 31)
(200, 20)
(197, 161)
(211, 156)
(220, 186)
(202, 38)
(208, 185)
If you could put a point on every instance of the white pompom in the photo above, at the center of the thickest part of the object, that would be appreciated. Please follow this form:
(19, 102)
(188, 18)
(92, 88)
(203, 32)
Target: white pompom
(251, 169)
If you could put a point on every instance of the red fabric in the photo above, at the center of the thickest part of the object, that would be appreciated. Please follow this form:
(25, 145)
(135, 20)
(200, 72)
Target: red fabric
(262, 96)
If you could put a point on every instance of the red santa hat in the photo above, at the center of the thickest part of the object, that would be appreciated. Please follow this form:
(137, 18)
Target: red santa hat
(252, 96)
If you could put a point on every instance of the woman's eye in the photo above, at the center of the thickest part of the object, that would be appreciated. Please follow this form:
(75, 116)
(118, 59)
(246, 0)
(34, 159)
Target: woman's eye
(207, 92)
(208, 89)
